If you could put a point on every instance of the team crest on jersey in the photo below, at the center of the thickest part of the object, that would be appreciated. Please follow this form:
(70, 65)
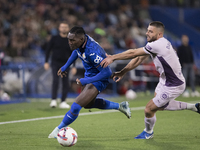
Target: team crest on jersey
(98, 59)
(164, 96)
(83, 55)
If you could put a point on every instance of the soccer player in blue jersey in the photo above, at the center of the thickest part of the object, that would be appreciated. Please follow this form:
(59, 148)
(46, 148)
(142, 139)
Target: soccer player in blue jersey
(95, 80)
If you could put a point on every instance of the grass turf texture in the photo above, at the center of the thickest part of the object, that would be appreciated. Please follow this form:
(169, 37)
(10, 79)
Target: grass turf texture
(110, 131)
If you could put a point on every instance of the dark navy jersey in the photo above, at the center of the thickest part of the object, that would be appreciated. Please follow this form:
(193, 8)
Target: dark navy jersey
(91, 54)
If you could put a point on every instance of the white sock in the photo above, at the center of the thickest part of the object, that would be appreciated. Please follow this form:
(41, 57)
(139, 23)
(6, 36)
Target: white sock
(150, 131)
(176, 105)
(149, 124)
(191, 107)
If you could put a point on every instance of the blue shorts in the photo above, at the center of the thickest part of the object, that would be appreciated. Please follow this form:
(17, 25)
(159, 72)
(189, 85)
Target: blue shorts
(100, 85)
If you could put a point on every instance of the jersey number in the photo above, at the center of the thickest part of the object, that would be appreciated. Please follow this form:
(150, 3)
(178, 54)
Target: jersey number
(98, 59)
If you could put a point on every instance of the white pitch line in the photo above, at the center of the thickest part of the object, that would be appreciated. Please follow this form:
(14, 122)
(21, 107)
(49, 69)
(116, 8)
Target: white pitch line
(81, 114)
(61, 116)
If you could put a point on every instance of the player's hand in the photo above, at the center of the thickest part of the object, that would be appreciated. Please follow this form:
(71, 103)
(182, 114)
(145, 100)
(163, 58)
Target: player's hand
(46, 66)
(107, 61)
(62, 74)
(117, 76)
(78, 82)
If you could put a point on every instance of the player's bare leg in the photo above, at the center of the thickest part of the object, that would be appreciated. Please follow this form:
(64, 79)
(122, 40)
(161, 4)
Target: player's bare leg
(102, 103)
(88, 94)
(84, 99)
(150, 116)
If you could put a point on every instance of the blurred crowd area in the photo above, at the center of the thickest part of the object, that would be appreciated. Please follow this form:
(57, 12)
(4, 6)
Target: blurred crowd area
(177, 3)
(27, 25)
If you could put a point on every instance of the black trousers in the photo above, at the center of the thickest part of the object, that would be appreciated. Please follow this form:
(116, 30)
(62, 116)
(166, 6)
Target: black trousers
(55, 83)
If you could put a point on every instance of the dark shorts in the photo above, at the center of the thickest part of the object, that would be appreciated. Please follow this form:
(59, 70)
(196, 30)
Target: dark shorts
(100, 85)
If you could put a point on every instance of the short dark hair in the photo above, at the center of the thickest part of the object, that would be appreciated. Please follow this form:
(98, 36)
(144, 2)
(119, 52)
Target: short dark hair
(158, 24)
(77, 30)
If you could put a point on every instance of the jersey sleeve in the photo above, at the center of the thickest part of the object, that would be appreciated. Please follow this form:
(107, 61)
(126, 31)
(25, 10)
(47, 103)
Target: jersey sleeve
(95, 57)
(103, 74)
(71, 60)
(151, 48)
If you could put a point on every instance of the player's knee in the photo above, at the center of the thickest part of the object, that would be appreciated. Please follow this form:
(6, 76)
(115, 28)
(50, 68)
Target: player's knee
(148, 112)
(75, 108)
(88, 106)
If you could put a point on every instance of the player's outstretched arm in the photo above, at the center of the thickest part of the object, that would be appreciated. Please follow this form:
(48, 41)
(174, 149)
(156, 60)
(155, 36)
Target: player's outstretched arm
(129, 54)
(103, 74)
(61, 72)
(117, 76)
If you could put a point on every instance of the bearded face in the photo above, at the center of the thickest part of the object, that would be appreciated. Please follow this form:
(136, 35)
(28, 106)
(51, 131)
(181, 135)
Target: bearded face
(152, 33)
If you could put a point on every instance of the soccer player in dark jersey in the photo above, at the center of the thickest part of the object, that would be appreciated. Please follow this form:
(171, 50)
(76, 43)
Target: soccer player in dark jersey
(60, 49)
(95, 80)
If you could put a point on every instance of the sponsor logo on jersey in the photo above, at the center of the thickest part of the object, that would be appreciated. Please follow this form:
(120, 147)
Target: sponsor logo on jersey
(92, 54)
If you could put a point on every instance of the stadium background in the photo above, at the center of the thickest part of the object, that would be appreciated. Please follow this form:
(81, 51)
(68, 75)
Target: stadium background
(27, 25)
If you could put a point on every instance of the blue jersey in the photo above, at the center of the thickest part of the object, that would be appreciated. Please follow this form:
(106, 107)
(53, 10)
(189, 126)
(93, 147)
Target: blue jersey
(91, 54)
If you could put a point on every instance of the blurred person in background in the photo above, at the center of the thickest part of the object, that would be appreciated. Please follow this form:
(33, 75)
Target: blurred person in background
(60, 49)
(1, 63)
(187, 62)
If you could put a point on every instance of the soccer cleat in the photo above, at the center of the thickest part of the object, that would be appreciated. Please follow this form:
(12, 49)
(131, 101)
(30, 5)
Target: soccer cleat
(144, 135)
(64, 105)
(54, 133)
(53, 103)
(197, 105)
(124, 108)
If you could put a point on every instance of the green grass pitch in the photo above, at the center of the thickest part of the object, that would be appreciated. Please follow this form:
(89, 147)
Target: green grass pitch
(174, 130)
